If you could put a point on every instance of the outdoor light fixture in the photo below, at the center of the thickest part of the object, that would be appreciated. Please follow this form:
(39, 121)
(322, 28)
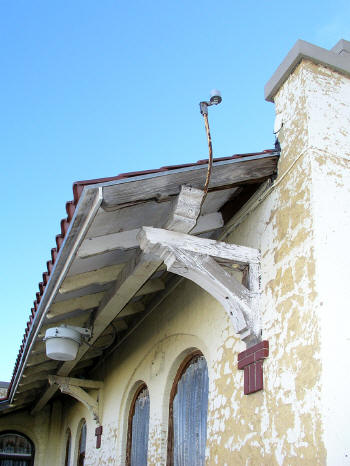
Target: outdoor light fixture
(215, 99)
(62, 343)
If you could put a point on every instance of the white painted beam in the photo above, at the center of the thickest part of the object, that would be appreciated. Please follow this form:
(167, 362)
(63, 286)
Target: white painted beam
(84, 383)
(128, 239)
(150, 237)
(99, 277)
(90, 301)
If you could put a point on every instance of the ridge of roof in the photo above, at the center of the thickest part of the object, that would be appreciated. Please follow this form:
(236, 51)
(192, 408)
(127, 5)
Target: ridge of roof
(78, 188)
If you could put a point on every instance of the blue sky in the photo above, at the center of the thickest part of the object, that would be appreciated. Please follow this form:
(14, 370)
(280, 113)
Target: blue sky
(95, 88)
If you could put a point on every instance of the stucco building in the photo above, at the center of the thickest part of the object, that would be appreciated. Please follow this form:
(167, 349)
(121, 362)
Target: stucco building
(219, 323)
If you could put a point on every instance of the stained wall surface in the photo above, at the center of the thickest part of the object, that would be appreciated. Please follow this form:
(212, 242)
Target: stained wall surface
(300, 227)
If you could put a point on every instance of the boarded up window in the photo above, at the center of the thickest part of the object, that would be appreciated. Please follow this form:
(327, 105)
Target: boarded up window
(15, 450)
(68, 448)
(138, 429)
(188, 414)
(82, 445)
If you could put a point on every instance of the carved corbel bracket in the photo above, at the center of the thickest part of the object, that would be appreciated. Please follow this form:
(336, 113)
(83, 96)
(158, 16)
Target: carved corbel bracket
(73, 387)
(205, 262)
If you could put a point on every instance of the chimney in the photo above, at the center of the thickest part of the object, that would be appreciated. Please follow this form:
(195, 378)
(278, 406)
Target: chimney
(311, 93)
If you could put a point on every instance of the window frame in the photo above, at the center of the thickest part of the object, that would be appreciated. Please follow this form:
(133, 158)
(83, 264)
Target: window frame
(181, 370)
(140, 388)
(18, 457)
(80, 431)
(68, 447)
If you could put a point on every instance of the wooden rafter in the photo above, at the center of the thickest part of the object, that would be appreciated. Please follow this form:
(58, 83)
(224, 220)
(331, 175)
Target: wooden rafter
(182, 218)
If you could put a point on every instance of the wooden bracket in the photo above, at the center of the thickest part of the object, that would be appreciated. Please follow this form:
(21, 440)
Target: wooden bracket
(73, 387)
(203, 261)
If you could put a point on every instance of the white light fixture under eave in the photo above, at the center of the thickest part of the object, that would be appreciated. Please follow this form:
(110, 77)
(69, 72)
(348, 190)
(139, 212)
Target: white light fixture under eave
(62, 343)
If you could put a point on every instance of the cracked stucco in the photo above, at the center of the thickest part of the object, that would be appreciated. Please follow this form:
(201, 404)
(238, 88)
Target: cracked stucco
(294, 227)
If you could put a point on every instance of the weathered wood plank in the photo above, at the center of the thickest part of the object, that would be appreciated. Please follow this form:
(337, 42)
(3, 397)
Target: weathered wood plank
(131, 309)
(84, 383)
(128, 239)
(92, 301)
(205, 272)
(49, 365)
(30, 386)
(100, 276)
(35, 359)
(168, 183)
(83, 302)
(30, 378)
(148, 213)
(151, 237)
(101, 260)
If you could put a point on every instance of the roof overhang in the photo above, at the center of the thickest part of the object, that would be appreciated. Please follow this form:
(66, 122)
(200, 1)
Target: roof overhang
(97, 247)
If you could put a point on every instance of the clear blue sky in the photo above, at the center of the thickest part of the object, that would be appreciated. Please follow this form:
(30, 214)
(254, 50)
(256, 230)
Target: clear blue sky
(94, 88)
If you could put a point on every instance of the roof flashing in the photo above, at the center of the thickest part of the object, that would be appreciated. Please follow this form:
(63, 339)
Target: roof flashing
(338, 58)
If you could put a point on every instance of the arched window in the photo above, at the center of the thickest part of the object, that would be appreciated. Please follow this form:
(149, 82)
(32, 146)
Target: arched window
(188, 410)
(138, 425)
(16, 449)
(82, 444)
(68, 447)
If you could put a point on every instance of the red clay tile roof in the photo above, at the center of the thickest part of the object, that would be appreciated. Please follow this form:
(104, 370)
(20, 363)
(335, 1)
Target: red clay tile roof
(78, 187)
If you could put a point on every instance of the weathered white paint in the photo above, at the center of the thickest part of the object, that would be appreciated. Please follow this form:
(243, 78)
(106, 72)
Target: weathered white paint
(133, 276)
(324, 96)
(193, 258)
(128, 239)
(149, 236)
(301, 225)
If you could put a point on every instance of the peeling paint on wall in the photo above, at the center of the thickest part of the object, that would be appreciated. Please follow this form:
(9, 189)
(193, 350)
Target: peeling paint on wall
(298, 237)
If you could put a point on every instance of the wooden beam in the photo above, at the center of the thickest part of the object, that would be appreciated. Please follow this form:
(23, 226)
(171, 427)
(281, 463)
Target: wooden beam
(30, 386)
(93, 353)
(29, 378)
(100, 277)
(84, 303)
(45, 366)
(91, 301)
(151, 237)
(226, 173)
(69, 317)
(84, 383)
(131, 309)
(37, 358)
(133, 276)
(128, 239)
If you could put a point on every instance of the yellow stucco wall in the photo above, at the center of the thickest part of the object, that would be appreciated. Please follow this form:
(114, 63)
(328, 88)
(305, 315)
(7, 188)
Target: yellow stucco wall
(281, 425)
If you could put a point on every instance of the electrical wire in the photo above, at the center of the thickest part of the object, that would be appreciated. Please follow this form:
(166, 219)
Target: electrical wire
(210, 161)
